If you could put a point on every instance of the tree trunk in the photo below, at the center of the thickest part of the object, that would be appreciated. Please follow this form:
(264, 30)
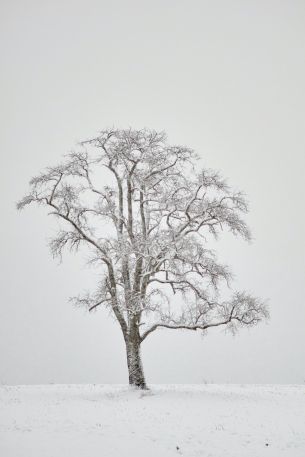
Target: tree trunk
(135, 369)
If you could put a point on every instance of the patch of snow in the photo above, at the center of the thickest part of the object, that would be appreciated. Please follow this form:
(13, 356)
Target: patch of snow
(168, 420)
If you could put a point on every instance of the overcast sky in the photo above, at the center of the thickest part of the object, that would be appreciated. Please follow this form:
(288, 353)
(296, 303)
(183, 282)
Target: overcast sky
(224, 77)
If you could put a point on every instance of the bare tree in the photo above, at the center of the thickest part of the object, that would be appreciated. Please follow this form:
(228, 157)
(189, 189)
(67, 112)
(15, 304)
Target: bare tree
(147, 221)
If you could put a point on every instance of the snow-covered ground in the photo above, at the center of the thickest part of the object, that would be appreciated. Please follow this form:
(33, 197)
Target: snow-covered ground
(171, 420)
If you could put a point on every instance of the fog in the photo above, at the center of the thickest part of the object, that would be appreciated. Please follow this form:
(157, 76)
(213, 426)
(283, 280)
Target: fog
(225, 78)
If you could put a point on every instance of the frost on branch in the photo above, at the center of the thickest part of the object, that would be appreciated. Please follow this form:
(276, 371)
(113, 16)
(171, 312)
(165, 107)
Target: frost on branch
(146, 215)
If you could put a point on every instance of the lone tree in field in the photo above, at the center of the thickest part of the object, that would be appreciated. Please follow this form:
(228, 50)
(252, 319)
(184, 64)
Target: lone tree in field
(145, 213)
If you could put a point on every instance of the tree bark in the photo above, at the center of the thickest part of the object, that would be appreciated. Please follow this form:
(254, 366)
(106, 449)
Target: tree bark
(134, 363)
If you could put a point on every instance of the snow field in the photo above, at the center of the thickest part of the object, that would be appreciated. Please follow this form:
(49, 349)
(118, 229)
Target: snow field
(168, 420)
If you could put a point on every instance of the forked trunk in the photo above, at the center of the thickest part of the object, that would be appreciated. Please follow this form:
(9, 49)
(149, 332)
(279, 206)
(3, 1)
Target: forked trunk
(135, 369)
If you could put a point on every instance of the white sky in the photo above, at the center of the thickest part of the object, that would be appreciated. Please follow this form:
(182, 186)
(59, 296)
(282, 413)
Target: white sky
(225, 78)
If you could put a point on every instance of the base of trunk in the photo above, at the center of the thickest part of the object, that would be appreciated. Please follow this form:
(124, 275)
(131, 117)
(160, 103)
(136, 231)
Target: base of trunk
(138, 386)
(134, 363)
